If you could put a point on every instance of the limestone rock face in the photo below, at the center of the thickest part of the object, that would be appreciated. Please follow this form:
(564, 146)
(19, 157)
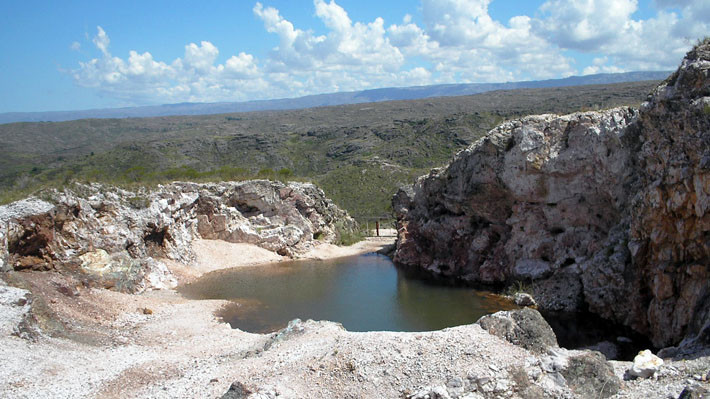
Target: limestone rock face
(670, 228)
(535, 196)
(116, 238)
(609, 208)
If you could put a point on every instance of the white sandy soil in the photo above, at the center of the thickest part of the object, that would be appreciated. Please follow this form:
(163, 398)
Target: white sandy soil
(156, 344)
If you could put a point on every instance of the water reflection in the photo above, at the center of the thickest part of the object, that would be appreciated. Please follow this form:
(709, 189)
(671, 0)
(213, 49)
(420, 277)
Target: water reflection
(364, 293)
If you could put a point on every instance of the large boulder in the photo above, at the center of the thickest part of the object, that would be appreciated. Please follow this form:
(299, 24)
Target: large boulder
(587, 373)
(524, 327)
(606, 210)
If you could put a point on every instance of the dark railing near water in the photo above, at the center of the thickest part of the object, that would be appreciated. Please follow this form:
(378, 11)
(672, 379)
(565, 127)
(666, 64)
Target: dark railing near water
(378, 226)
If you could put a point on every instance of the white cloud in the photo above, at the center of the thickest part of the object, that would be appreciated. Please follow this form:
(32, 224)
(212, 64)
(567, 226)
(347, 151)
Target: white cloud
(101, 40)
(470, 46)
(608, 27)
(200, 58)
(347, 45)
(599, 66)
(584, 24)
(142, 79)
(75, 46)
(697, 16)
(458, 22)
(241, 66)
(456, 41)
(410, 39)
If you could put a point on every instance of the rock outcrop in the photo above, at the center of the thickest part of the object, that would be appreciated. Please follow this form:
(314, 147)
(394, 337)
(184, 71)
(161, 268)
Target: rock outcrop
(606, 210)
(524, 327)
(586, 373)
(115, 238)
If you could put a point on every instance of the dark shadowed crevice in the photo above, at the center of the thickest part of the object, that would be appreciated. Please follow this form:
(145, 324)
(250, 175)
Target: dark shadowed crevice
(156, 237)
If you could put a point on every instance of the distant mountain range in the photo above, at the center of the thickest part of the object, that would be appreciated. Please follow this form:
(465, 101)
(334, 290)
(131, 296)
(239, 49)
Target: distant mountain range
(320, 100)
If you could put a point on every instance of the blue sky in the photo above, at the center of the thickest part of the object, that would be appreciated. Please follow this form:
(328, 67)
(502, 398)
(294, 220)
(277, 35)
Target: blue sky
(94, 54)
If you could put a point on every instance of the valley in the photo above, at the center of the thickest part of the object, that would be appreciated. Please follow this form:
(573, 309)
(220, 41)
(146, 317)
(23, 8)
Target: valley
(359, 154)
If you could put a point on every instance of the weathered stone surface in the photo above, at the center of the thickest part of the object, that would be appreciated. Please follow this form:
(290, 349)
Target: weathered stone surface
(522, 202)
(646, 365)
(561, 292)
(671, 223)
(115, 238)
(523, 299)
(617, 203)
(237, 391)
(15, 312)
(524, 327)
(589, 375)
(694, 392)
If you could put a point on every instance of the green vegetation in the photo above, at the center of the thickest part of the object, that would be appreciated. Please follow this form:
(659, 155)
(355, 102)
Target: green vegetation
(359, 154)
(347, 236)
(519, 287)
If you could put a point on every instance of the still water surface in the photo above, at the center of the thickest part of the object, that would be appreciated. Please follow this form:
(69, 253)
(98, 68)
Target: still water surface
(364, 293)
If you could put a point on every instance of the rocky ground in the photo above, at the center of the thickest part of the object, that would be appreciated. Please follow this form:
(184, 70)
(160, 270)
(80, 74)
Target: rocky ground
(81, 342)
(67, 340)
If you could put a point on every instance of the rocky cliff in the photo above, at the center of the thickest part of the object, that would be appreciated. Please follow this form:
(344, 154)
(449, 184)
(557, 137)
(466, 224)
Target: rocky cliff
(116, 238)
(601, 210)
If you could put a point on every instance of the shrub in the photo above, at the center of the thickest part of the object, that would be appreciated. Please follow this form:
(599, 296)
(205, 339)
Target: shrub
(347, 236)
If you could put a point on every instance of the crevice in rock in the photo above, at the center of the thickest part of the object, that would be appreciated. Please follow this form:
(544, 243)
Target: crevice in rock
(556, 231)
(30, 249)
(155, 238)
(245, 209)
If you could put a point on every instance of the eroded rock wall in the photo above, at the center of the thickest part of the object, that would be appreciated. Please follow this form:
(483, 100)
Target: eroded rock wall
(670, 226)
(116, 238)
(606, 210)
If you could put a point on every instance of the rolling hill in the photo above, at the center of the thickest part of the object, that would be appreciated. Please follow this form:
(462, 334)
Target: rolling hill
(321, 100)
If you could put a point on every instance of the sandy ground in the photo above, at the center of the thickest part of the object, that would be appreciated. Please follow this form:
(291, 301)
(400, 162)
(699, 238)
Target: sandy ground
(216, 254)
(107, 344)
(329, 251)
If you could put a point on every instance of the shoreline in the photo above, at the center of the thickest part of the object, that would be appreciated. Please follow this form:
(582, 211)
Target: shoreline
(213, 255)
(159, 344)
(109, 344)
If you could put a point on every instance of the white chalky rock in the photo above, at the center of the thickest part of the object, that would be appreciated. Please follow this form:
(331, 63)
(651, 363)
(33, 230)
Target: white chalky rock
(646, 364)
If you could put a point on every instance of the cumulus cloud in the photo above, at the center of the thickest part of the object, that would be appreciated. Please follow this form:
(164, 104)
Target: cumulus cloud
(608, 28)
(584, 25)
(352, 47)
(456, 41)
(76, 46)
(193, 77)
(200, 58)
(241, 66)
